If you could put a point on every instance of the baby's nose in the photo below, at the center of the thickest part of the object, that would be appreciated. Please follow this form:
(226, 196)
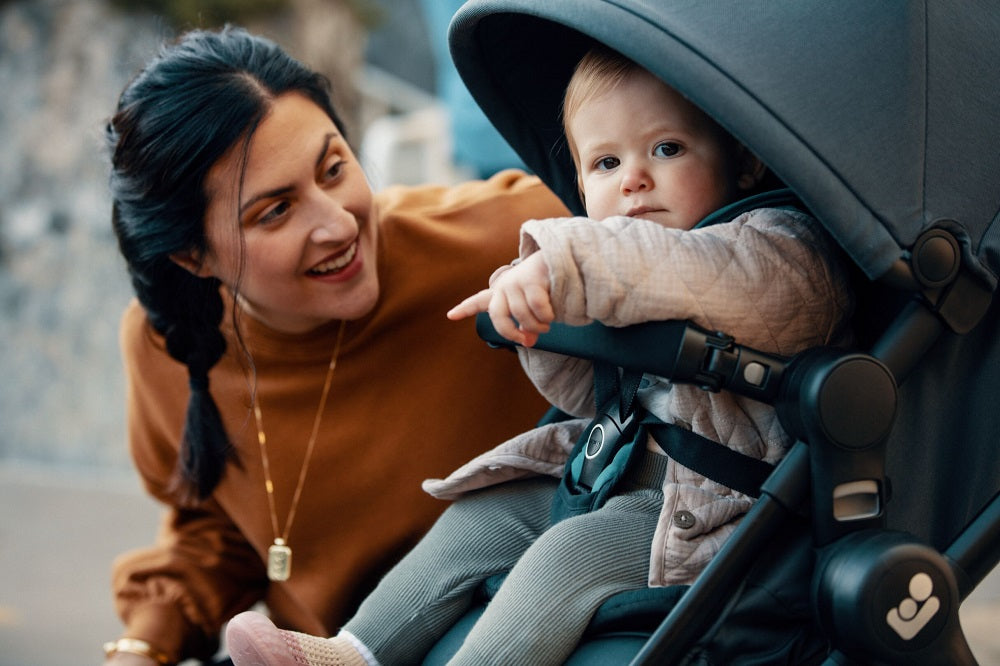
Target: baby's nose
(635, 180)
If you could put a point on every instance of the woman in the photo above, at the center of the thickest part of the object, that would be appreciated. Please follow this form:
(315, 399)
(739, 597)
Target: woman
(291, 374)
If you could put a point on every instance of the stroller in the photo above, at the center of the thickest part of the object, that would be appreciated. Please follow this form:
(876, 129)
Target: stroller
(882, 120)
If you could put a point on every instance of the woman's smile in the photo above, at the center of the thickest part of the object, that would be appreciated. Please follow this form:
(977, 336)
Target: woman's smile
(338, 264)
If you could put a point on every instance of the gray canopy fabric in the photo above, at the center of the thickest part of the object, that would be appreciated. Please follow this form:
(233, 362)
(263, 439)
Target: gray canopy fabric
(884, 117)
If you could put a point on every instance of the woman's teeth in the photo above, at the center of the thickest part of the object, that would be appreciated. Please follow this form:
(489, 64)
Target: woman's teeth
(336, 264)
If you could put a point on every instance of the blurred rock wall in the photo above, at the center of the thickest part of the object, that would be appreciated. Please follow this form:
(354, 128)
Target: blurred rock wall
(62, 284)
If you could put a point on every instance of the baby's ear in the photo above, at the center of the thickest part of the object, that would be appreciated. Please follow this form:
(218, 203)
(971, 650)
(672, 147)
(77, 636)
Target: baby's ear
(751, 170)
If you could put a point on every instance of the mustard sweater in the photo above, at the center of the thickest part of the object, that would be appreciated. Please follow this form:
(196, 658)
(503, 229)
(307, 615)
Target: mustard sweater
(413, 396)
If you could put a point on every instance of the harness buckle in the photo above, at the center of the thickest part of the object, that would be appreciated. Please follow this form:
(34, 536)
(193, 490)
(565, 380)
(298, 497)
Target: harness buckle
(606, 435)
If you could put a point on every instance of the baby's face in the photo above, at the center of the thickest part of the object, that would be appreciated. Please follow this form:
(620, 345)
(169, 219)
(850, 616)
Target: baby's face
(645, 151)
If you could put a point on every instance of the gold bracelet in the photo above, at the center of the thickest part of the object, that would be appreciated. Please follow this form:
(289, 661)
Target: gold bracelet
(136, 646)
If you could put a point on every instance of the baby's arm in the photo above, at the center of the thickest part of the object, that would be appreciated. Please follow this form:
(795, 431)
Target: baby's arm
(768, 277)
(521, 292)
(565, 381)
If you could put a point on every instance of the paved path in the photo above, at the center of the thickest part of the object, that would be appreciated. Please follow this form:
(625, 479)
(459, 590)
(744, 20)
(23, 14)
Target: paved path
(59, 532)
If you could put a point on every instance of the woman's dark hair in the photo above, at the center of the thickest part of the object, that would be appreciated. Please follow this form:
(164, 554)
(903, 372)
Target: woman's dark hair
(184, 111)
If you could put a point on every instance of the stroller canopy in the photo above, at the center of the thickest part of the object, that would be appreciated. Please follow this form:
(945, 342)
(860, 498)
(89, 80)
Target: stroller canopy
(881, 116)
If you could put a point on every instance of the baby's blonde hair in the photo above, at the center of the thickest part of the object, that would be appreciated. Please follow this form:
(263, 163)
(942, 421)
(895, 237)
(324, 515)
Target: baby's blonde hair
(601, 70)
(598, 71)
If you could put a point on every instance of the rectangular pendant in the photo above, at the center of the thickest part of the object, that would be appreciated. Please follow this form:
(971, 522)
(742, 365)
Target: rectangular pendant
(279, 561)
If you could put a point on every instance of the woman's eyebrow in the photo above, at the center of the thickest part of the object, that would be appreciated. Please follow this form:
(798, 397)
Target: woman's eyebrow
(327, 138)
(264, 195)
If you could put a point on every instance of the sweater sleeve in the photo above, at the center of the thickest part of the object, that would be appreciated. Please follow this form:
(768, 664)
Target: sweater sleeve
(767, 277)
(176, 593)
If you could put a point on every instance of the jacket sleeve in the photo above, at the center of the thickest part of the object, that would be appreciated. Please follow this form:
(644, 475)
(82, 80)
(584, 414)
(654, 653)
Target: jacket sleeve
(565, 381)
(176, 593)
(767, 277)
(541, 451)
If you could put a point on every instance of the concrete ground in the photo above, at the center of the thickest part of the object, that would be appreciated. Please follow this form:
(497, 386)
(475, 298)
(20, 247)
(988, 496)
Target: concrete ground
(59, 532)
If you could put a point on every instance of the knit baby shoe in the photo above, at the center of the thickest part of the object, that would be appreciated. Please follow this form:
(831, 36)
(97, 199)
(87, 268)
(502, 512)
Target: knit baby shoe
(253, 640)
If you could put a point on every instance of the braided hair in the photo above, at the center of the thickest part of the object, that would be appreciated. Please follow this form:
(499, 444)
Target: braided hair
(185, 110)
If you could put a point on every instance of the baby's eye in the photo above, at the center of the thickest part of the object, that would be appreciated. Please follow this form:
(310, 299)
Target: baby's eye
(607, 163)
(667, 149)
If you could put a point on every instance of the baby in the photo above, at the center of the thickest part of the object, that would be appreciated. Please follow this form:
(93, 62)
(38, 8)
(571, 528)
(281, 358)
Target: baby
(650, 167)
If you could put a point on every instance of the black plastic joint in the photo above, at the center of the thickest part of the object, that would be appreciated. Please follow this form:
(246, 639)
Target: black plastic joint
(720, 363)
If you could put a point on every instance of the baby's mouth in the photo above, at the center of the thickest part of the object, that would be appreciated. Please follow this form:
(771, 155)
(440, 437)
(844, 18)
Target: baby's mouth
(639, 211)
(336, 264)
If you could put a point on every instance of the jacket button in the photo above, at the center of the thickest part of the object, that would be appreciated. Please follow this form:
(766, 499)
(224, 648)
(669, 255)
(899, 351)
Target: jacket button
(684, 519)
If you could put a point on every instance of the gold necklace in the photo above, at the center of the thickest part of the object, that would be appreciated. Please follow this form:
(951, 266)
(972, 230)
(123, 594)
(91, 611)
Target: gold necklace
(279, 555)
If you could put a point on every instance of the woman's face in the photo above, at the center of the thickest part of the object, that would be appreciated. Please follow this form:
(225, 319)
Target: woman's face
(305, 212)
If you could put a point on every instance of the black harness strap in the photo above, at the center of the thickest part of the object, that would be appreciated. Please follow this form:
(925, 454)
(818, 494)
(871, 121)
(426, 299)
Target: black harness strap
(619, 421)
(608, 383)
(709, 458)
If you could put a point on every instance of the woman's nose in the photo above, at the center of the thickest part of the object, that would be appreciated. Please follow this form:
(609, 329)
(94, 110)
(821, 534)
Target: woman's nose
(635, 179)
(330, 221)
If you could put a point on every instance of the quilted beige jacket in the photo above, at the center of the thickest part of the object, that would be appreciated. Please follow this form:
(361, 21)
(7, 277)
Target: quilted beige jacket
(769, 278)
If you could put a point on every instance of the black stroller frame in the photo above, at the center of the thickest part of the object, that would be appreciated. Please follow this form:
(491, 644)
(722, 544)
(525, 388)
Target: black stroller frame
(884, 589)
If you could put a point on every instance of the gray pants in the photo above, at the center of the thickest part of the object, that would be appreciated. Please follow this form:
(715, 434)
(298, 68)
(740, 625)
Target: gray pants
(559, 574)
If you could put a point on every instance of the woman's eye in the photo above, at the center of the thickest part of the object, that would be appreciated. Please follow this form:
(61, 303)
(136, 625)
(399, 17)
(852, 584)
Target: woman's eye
(273, 213)
(667, 149)
(334, 171)
(607, 163)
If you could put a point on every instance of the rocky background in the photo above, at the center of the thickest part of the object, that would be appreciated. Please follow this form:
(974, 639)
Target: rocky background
(62, 284)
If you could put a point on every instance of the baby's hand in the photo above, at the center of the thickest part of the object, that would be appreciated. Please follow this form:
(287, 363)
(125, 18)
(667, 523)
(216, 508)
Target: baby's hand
(518, 293)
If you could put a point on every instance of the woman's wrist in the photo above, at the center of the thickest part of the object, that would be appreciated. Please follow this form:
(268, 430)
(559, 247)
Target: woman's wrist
(136, 647)
(128, 659)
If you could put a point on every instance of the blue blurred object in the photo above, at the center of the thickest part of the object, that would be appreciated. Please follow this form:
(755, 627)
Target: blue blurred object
(477, 146)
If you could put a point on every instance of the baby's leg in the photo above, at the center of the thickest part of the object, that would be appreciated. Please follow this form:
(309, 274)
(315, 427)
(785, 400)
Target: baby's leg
(424, 595)
(542, 609)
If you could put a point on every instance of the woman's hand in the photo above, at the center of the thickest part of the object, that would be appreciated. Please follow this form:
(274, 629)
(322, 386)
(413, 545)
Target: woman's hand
(517, 301)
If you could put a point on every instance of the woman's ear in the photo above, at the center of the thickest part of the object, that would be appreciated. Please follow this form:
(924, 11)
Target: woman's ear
(751, 170)
(193, 262)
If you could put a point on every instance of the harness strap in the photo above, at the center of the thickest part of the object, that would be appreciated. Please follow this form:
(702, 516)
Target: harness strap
(709, 458)
(608, 384)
